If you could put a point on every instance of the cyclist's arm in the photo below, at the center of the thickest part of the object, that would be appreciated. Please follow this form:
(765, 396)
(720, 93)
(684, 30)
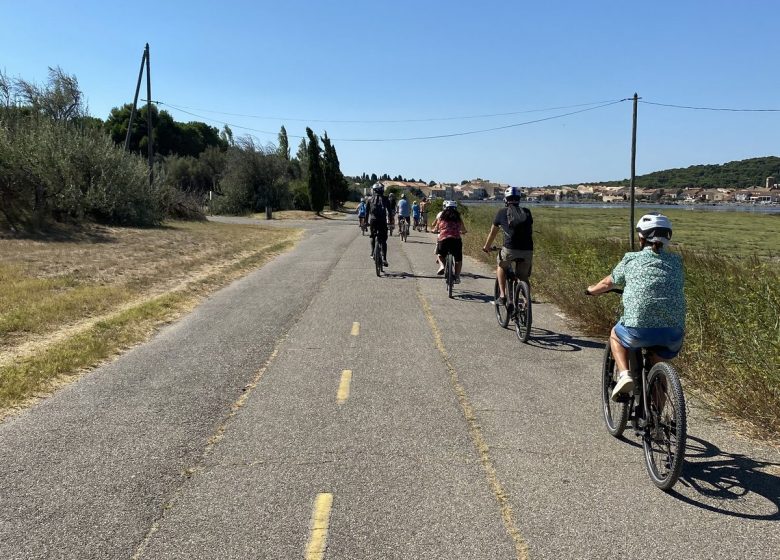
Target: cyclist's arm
(463, 227)
(491, 238)
(602, 286)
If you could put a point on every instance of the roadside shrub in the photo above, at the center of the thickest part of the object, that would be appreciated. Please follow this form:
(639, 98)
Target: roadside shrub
(59, 171)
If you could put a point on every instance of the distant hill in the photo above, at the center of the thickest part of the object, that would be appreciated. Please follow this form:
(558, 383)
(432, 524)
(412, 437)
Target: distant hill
(738, 174)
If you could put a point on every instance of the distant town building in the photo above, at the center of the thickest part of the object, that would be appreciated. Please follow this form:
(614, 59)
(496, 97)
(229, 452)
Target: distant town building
(771, 183)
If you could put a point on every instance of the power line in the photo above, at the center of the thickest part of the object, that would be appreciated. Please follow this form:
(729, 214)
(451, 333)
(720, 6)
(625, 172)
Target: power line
(388, 121)
(712, 108)
(431, 137)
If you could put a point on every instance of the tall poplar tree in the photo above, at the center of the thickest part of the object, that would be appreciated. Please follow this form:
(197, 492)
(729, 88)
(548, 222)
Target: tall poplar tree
(317, 190)
(284, 144)
(335, 183)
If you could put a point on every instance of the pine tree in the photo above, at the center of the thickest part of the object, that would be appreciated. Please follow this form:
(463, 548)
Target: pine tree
(316, 182)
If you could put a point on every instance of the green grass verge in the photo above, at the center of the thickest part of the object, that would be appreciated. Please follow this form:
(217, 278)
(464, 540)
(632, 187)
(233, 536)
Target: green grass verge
(732, 346)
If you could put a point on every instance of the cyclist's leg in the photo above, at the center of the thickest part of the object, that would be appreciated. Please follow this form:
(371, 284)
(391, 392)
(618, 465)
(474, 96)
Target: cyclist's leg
(382, 234)
(457, 252)
(619, 352)
(372, 235)
(441, 254)
(501, 274)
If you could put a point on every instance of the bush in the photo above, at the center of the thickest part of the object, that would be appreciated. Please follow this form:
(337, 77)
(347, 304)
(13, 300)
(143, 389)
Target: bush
(62, 172)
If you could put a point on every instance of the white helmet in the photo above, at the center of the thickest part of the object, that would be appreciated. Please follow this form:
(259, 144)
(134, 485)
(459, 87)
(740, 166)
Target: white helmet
(655, 228)
(450, 204)
(378, 188)
(513, 193)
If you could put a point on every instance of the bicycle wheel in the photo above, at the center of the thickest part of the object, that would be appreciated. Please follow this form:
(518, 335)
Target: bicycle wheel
(502, 315)
(665, 434)
(615, 413)
(522, 313)
(449, 273)
(378, 257)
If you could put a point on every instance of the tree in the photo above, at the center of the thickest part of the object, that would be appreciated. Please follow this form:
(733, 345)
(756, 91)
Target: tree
(170, 137)
(226, 135)
(60, 99)
(284, 145)
(255, 178)
(302, 157)
(335, 183)
(316, 179)
(373, 178)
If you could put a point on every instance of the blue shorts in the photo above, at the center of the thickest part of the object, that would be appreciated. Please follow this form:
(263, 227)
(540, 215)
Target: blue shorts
(665, 341)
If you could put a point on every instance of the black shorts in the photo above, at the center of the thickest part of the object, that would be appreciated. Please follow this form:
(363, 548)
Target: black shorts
(452, 245)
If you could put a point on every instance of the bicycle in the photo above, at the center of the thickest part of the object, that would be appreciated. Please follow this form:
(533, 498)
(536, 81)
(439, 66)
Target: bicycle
(363, 225)
(403, 230)
(378, 256)
(390, 226)
(518, 306)
(656, 409)
(449, 273)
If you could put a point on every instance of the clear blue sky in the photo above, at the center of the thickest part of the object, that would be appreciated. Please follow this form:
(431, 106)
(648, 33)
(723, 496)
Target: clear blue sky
(402, 60)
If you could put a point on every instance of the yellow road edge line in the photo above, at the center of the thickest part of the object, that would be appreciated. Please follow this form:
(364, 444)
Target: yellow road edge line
(475, 431)
(320, 521)
(346, 379)
(355, 329)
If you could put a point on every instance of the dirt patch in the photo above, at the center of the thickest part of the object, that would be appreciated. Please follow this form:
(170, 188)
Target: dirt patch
(304, 215)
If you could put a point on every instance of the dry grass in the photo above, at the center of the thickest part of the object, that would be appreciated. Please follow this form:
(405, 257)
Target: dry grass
(68, 304)
(732, 346)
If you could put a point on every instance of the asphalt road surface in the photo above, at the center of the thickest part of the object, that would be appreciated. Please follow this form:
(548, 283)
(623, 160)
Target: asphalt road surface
(313, 410)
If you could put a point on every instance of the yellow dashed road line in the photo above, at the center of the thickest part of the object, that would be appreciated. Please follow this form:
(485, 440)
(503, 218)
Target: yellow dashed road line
(346, 379)
(320, 521)
(355, 329)
(475, 431)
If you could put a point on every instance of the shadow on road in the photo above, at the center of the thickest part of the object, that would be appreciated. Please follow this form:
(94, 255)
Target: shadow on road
(466, 295)
(559, 342)
(401, 275)
(729, 483)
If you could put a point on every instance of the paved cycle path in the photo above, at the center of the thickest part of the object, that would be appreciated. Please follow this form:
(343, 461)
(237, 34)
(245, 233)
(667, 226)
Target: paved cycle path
(238, 433)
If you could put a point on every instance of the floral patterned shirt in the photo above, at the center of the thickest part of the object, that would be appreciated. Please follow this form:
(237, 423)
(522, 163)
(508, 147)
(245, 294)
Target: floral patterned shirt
(653, 295)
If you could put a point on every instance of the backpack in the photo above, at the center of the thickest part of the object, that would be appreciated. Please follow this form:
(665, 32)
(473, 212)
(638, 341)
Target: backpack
(515, 215)
(378, 210)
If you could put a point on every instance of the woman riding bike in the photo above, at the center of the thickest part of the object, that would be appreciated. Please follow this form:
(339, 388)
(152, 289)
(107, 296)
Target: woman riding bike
(653, 299)
(450, 227)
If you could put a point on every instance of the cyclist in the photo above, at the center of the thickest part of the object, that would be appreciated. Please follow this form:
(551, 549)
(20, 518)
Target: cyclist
(361, 212)
(416, 214)
(391, 212)
(653, 299)
(377, 210)
(424, 213)
(515, 223)
(403, 210)
(450, 227)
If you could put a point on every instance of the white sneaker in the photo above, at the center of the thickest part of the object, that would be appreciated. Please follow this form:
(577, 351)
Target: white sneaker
(440, 271)
(625, 384)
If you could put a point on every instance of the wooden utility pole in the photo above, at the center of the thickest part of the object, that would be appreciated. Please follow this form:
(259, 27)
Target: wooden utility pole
(150, 144)
(135, 101)
(149, 129)
(633, 173)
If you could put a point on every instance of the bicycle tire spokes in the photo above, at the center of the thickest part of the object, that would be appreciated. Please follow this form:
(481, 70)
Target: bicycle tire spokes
(665, 433)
